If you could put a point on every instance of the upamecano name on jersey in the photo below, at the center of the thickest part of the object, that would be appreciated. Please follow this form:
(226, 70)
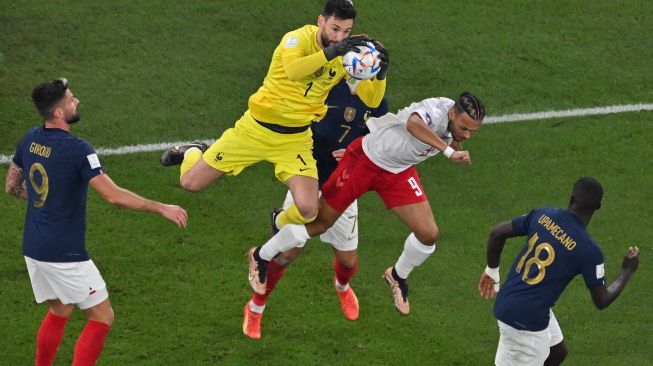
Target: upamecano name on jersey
(557, 232)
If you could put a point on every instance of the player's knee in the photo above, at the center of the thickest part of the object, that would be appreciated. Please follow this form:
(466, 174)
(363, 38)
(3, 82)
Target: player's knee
(103, 314)
(61, 310)
(348, 261)
(428, 236)
(308, 210)
(110, 317)
(189, 184)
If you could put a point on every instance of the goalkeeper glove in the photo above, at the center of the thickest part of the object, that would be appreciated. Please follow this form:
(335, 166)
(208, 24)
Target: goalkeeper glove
(384, 56)
(344, 46)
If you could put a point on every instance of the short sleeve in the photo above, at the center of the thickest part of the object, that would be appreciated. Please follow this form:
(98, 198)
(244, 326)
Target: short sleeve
(90, 165)
(593, 269)
(424, 115)
(521, 224)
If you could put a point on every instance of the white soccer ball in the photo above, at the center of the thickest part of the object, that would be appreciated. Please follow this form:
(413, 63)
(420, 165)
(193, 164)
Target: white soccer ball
(364, 64)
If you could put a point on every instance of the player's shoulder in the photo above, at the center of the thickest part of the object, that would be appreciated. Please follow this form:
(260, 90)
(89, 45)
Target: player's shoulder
(78, 145)
(438, 103)
(433, 110)
(304, 33)
(31, 133)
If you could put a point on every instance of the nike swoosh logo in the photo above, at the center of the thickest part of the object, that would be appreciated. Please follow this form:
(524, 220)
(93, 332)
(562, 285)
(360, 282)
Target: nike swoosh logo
(302, 169)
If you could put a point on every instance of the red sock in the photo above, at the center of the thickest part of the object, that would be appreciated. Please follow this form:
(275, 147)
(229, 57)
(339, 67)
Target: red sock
(275, 272)
(90, 343)
(48, 338)
(344, 274)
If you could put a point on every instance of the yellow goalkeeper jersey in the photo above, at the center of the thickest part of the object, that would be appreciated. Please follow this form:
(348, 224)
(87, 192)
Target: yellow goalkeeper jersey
(299, 79)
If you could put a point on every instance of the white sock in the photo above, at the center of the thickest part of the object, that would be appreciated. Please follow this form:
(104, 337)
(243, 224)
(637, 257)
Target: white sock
(340, 287)
(414, 254)
(255, 308)
(290, 236)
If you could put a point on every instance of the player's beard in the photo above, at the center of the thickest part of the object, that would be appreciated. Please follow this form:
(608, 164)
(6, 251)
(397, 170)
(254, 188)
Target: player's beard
(324, 40)
(73, 119)
(450, 128)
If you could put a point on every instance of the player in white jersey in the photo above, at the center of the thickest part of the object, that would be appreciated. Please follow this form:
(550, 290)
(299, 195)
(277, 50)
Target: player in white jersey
(383, 161)
(391, 146)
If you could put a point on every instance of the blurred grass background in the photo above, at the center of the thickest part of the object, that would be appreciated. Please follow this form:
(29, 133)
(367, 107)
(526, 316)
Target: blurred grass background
(148, 72)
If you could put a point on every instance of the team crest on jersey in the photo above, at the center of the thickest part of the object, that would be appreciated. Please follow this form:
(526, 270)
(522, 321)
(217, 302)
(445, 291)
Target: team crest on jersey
(319, 72)
(332, 73)
(350, 114)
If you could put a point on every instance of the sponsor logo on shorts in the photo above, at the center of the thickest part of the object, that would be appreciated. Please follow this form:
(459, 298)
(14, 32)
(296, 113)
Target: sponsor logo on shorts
(302, 169)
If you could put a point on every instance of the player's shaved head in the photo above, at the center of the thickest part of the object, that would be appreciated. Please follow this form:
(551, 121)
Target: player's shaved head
(341, 9)
(586, 195)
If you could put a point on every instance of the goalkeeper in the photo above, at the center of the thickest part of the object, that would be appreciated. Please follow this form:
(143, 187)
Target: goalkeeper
(305, 66)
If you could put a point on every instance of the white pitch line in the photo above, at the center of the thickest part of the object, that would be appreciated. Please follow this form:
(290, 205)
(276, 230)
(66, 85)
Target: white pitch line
(517, 117)
(521, 117)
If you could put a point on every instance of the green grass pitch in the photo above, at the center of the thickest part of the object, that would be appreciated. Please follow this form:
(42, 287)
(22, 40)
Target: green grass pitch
(149, 72)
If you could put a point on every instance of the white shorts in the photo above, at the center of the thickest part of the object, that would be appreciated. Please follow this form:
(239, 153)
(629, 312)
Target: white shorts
(77, 283)
(343, 235)
(525, 348)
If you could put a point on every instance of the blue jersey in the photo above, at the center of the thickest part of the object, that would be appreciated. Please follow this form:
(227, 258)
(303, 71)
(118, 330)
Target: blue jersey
(57, 168)
(558, 248)
(343, 123)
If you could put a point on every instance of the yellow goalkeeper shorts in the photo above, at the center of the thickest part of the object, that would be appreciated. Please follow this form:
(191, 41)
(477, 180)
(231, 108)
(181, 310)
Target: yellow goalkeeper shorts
(249, 142)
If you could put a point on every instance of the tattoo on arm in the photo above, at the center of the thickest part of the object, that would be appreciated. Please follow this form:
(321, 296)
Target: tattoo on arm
(15, 183)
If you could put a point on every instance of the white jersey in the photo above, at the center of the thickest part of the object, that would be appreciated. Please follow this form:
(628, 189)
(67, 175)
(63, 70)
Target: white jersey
(391, 147)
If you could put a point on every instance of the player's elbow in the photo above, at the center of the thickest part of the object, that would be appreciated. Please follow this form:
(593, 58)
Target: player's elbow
(600, 302)
(293, 76)
(113, 199)
(499, 234)
(495, 235)
(600, 305)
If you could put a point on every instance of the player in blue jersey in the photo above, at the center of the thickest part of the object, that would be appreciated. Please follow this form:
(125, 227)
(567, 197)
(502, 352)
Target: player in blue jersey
(557, 249)
(343, 123)
(52, 170)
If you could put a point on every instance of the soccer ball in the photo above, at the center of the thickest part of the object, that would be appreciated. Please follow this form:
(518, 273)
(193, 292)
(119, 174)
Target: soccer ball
(364, 64)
